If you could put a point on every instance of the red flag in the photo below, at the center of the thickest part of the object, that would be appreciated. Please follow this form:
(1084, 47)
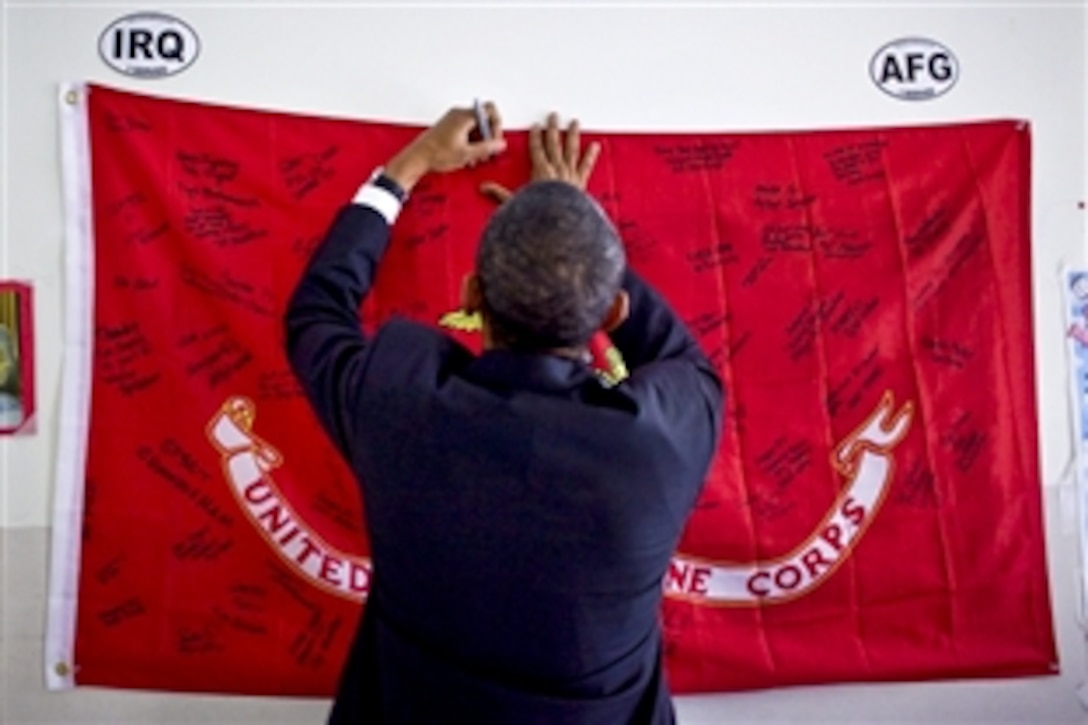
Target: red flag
(873, 513)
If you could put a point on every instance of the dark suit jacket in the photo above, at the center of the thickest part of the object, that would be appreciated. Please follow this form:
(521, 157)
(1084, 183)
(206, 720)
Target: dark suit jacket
(521, 513)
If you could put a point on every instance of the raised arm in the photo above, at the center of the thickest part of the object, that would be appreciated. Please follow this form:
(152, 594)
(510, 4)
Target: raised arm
(325, 342)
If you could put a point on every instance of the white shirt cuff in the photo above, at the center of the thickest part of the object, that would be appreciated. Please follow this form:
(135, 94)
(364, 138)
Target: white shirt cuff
(380, 200)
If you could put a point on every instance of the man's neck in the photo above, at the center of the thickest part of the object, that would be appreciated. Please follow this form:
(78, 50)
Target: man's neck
(579, 353)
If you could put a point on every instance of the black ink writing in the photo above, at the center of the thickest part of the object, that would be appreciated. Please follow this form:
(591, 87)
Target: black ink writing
(218, 359)
(201, 639)
(952, 263)
(768, 505)
(197, 336)
(278, 385)
(137, 225)
(126, 205)
(290, 584)
(173, 452)
(784, 460)
(705, 323)
(196, 193)
(121, 356)
(201, 545)
(110, 570)
(310, 646)
(431, 235)
(738, 343)
(856, 163)
(121, 613)
(777, 197)
(846, 394)
(847, 318)
(964, 441)
(305, 172)
(147, 235)
(135, 283)
(932, 228)
(208, 166)
(711, 258)
(757, 270)
(786, 238)
(949, 353)
(695, 156)
(917, 487)
(218, 225)
(638, 243)
(169, 471)
(305, 246)
(841, 243)
(126, 123)
(802, 329)
(427, 203)
(243, 294)
(831, 242)
(834, 311)
(240, 622)
(337, 513)
(249, 597)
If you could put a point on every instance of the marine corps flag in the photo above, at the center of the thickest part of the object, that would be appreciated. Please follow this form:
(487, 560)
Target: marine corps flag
(874, 510)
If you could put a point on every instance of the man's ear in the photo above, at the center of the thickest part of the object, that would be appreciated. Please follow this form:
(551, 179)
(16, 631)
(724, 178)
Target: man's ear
(617, 312)
(472, 299)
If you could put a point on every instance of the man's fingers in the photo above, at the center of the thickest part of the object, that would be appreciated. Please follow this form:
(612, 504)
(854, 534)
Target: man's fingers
(497, 192)
(494, 146)
(551, 139)
(585, 166)
(536, 147)
(460, 120)
(493, 117)
(573, 144)
(483, 150)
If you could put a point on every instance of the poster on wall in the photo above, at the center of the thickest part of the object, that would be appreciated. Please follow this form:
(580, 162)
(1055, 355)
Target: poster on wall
(1075, 297)
(864, 293)
(17, 407)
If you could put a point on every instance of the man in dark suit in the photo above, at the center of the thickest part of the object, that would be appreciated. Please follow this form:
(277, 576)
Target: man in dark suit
(521, 511)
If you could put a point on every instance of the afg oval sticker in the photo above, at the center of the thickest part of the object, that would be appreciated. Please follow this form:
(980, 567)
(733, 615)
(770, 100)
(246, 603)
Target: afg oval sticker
(914, 69)
(149, 45)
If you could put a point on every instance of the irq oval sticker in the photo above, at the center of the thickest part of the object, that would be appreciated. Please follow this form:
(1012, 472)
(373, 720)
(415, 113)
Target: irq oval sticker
(149, 45)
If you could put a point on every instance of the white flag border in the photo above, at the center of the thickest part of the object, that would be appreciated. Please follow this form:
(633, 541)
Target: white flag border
(62, 598)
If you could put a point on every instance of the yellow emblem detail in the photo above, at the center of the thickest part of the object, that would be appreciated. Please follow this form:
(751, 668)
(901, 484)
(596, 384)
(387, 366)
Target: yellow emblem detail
(461, 320)
(616, 371)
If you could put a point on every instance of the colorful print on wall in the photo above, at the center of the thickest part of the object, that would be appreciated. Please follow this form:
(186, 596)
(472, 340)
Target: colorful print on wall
(17, 406)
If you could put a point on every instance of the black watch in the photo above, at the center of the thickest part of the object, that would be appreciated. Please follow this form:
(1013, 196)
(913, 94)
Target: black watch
(380, 180)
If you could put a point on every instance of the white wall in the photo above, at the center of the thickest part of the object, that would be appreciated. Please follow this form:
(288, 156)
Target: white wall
(617, 68)
(637, 67)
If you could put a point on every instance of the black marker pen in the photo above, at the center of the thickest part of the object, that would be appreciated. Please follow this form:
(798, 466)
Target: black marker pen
(482, 124)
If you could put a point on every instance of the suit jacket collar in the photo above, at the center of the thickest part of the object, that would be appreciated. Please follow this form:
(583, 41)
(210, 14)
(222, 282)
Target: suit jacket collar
(511, 370)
